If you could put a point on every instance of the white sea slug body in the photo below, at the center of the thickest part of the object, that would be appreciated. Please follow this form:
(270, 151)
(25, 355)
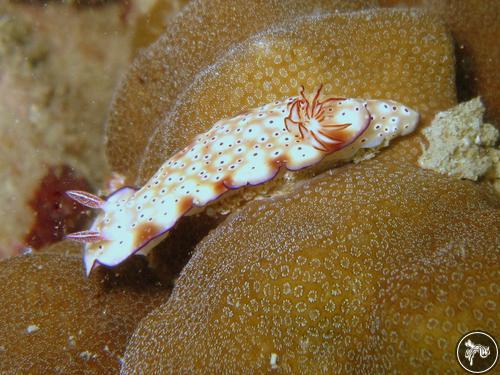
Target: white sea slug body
(249, 149)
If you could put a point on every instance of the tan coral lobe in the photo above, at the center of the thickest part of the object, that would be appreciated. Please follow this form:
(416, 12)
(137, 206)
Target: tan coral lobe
(54, 320)
(192, 41)
(374, 268)
(405, 56)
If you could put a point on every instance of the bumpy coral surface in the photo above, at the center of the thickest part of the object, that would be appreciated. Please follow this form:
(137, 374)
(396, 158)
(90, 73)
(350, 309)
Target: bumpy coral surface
(154, 18)
(411, 63)
(203, 30)
(373, 268)
(475, 27)
(53, 320)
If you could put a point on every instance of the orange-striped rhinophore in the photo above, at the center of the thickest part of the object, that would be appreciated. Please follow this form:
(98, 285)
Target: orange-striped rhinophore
(248, 149)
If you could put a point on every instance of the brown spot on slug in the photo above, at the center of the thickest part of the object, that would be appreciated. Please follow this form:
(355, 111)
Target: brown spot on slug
(220, 187)
(185, 204)
(280, 161)
(145, 231)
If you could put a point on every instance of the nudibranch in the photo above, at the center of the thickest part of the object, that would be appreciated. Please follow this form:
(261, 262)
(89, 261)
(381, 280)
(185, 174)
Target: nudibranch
(248, 149)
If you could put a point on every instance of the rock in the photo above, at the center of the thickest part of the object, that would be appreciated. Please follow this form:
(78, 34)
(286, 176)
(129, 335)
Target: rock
(460, 143)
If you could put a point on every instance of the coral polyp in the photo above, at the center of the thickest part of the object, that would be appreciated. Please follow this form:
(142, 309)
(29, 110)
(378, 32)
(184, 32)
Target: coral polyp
(250, 149)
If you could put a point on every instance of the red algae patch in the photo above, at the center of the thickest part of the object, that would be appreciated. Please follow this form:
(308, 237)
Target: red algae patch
(371, 268)
(53, 320)
(55, 213)
(193, 40)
